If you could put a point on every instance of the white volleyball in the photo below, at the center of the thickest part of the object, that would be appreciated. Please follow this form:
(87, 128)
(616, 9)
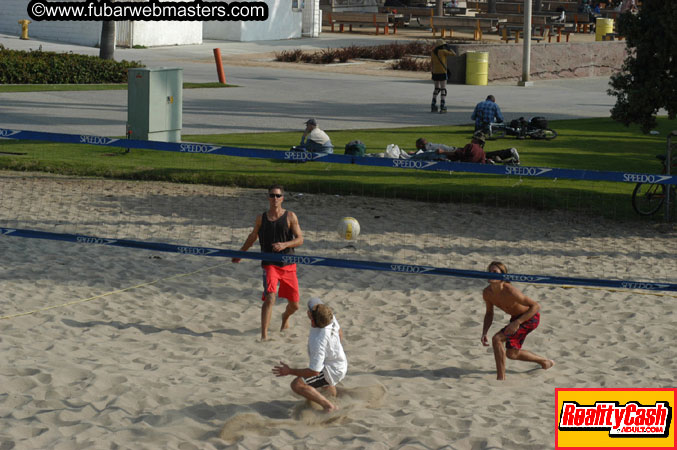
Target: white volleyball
(349, 228)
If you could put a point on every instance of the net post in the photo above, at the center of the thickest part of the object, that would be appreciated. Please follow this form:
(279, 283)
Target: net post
(668, 171)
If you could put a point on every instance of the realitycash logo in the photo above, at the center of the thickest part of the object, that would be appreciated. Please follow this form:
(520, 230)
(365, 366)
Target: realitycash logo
(615, 418)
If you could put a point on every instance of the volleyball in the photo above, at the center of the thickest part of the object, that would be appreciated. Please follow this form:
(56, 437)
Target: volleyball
(349, 228)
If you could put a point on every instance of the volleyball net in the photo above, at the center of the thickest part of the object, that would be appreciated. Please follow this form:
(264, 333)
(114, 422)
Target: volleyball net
(399, 236)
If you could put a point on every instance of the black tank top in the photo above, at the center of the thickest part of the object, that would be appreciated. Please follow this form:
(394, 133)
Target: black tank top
(271, 232)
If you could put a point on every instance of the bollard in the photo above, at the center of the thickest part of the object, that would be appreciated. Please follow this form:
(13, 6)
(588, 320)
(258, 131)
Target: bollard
(219, 66)
(24, 28)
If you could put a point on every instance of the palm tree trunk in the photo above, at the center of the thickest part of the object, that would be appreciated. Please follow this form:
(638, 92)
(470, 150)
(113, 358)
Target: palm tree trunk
(107, 41)
(107, 48)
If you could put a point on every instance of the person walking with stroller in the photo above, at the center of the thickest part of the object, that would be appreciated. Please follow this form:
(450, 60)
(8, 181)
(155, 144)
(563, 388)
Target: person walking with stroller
(438, 60)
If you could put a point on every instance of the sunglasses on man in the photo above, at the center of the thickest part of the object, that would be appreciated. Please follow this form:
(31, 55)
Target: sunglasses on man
(275, 195)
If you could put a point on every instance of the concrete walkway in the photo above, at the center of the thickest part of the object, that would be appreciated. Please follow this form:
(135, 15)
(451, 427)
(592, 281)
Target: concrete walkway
(281, 100)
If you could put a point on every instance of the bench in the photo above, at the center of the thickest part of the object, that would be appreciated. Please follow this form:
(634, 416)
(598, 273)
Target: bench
(409, 13)
(509, 7)
(356, 18)
(455, 10)
(581, 22)
(517, 7)
(551, 6)
(477, 25)
(507, 30)
(557, 29)
(516, 21)
(517, 32)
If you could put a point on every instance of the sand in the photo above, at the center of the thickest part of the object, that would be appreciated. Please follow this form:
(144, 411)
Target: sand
(162, 350)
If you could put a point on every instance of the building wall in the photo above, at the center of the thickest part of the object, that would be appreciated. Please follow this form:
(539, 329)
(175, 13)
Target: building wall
(89, 32)
(226, 31)
(284, 22)
(80, 32)
(312, 18)
(153, 34)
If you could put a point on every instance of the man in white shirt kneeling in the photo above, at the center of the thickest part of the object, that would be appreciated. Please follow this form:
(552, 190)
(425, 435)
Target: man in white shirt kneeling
(328, 363)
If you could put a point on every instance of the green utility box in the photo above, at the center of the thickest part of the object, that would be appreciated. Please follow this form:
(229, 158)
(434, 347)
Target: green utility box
(154, 104)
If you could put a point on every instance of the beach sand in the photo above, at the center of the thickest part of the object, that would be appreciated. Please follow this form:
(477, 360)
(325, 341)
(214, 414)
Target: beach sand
(162, 350)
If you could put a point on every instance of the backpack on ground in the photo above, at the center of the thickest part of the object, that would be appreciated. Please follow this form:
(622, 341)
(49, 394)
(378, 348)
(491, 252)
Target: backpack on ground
(356, 148)
(539, 122)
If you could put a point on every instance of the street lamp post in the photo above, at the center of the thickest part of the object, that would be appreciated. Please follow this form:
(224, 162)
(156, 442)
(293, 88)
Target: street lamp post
(526, 51)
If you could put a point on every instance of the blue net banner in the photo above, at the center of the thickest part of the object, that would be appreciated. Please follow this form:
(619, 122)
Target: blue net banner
(339, 263)
(187, 147)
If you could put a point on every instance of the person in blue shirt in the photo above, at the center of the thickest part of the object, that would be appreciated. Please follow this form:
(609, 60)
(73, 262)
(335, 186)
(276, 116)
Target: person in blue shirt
(486, 112)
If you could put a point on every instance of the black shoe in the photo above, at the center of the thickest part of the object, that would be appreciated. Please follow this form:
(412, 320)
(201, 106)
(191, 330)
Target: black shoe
(433, 108)
(443, 109)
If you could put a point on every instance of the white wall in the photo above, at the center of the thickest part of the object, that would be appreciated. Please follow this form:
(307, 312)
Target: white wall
(81, 32)
(88, 33)
(312, 18)
(282, 23)
(225, 31)
(152, 34)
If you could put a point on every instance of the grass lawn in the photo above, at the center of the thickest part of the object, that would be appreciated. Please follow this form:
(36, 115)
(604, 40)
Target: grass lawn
(92, 87)
(598, 144)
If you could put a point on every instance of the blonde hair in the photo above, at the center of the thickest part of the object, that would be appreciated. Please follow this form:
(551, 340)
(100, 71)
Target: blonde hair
(498, 264)
(322, 315)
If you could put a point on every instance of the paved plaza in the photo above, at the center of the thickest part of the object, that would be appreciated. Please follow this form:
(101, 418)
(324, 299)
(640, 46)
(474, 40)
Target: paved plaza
(274, 99)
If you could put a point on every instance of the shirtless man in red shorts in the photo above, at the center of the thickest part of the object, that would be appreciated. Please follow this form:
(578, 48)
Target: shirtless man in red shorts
(278, 231)
(524, 318)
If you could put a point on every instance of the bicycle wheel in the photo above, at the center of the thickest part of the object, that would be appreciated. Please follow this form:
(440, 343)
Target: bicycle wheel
(496, 133)
(648, 198)
(546, 133)
(549, 134)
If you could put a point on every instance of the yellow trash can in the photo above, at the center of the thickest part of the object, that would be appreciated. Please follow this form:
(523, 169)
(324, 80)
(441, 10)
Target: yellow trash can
(602, 27)
(477, 68)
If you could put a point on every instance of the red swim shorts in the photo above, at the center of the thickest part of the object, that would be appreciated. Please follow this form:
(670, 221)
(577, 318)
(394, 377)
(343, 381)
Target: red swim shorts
(285, 276)
(516, 340)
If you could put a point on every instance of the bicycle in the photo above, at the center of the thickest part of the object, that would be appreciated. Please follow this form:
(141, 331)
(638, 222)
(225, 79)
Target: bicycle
(521, 129)
(647, 198)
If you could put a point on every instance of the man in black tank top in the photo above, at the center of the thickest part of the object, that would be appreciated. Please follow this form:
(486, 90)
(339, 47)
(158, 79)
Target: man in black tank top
(278, 231)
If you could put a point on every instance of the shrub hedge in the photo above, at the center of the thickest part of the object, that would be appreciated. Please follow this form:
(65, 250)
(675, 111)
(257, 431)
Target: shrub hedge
(38, 67)
(394, 50)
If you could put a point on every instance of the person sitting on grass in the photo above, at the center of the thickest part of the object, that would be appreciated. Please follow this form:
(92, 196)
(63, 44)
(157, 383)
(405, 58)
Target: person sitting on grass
(486, 112)
(315, 140)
